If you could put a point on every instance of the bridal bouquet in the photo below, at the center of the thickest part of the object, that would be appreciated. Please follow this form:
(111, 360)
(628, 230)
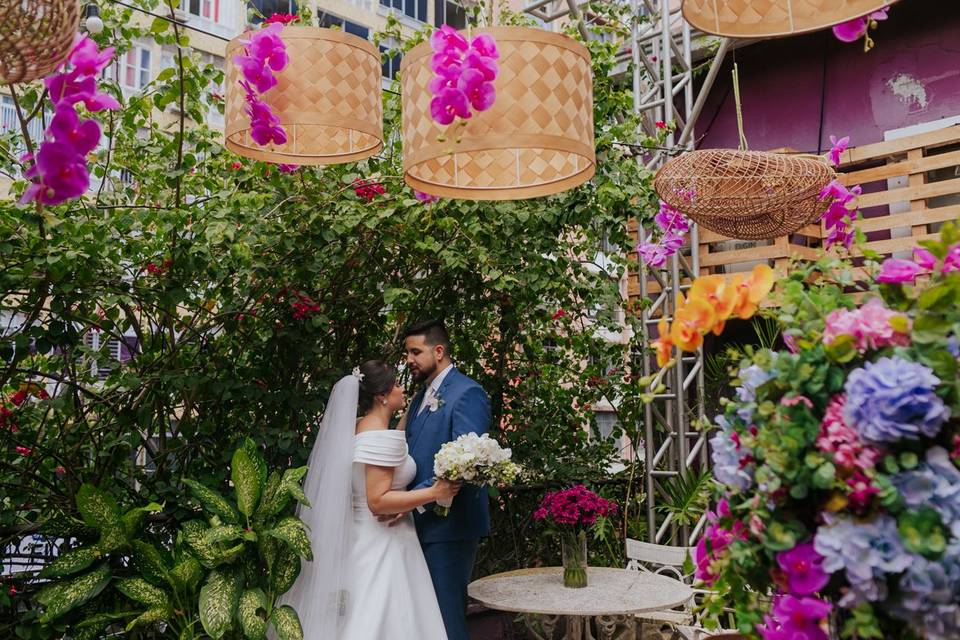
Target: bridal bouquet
(476, 459)
(839, 460)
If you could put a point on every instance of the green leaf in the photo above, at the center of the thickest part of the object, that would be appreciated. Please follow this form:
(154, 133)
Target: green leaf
(940, 296)
(166, 74)
(139, 590)
(158, 26)
(292, 531)
(224, 533)
(252, 613)
(842, 350)
(257, 457)
(98, 508)
(218, 602)
(291, 483)
(212, 501)
(150, 616)
(193, 533)
(246, 482)
(132, 520)
(59, 598)
(70, 563)
(274, 497)
(150, 561)
(285, 570)
(186, 574)
(286, 622)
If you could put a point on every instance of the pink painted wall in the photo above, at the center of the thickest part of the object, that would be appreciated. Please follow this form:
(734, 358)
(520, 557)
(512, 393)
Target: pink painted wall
(911, 76)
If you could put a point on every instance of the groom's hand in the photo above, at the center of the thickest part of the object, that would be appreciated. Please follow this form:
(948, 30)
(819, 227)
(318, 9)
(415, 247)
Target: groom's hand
(393, 519)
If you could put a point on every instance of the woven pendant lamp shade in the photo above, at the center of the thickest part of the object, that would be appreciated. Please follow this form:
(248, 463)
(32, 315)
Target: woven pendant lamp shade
(772, 18)
(749, 195)
(536, 139)
(35, 37)
(328, 99)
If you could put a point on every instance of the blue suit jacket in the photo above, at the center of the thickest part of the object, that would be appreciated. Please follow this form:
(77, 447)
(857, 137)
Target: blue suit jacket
(464, 408)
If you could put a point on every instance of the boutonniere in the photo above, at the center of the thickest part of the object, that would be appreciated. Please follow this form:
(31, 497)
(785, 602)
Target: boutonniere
(434, 403)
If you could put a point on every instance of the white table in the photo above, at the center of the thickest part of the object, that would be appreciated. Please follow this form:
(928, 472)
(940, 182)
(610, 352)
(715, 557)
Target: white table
(612, 597)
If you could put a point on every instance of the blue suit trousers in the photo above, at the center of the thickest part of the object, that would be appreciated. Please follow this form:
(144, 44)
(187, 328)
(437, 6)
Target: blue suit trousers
(451, 565)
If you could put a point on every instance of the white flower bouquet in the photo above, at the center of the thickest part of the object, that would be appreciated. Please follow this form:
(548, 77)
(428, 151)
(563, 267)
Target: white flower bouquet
(479, 460)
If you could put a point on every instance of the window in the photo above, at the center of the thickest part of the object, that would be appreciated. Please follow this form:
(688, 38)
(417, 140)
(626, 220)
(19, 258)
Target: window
(416, 9)
(391, 65)
(449, 12)
(269, 7)
(134, 68)
(202, 8)
(331, 21)
(605, 423)
(9, 121)
(107, 349)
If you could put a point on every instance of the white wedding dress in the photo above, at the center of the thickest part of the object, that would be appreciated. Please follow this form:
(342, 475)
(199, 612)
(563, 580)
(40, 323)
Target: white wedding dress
(388, 580)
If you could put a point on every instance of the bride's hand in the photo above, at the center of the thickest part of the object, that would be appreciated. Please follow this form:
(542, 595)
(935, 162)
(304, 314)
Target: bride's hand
(445, 489)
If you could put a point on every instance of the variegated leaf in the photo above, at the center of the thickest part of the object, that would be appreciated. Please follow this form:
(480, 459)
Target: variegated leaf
(186, 574)
(152, 563)
(133, 519)
(246, 482)
(212, 502)
(193, 534)
(223, 533)
(292, 531)
(91, 628)
(70, 563)
(286, 623)
(231, 554)
(285, 570)
(97, 508)
(150, 616)
(274, 497)
(291, 482)
(218, 602)
(59, 598)
(257, 457)
(252, 613)
(139, 590)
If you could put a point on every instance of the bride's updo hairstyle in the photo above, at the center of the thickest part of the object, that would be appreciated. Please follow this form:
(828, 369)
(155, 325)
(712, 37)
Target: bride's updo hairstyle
(378, 378)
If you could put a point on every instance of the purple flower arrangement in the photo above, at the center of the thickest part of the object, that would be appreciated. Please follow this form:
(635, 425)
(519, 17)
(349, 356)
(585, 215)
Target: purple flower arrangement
(465, 72)
(59, 171)
(838, 463)
(576, 507)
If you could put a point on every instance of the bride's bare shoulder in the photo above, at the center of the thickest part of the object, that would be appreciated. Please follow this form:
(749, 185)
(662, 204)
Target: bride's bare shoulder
(366, 424)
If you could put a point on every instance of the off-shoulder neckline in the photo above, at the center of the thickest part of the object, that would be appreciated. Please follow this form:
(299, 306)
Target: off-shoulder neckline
(357, 435)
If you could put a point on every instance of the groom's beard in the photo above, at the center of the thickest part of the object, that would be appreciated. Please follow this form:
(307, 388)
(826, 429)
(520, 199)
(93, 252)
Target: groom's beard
(420, 375)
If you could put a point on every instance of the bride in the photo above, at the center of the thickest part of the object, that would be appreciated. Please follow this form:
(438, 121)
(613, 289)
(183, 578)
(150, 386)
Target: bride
(368, 580)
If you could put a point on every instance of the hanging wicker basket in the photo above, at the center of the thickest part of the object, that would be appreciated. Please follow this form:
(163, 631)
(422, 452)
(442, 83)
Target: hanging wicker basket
(35, 37)
(772, 18)
(536, 140)
(328, 98)
(748, 195)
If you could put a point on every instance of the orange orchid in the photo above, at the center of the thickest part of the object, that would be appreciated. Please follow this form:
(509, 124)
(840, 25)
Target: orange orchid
(719, 292)
(663, 344)
(691, 322)
(752, 291)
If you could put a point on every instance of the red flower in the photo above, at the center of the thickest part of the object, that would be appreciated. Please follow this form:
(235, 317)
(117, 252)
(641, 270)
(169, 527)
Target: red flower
(559, 314)
(19, 397)
(59, 470)
(236, 165)
(661, 124)
(24, 451)
(12, 590)
(282, 18)
(368, 189)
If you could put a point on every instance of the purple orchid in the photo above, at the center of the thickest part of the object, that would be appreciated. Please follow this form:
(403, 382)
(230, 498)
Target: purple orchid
(804, 569)
(897, 271)
(66, 127)
(447, 39)
(839, 146)
(795, 618)
(448, 105)
(60, 175)
(480, 92)
(465, 72)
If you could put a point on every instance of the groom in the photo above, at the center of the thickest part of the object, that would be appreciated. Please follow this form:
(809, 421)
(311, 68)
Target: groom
(450, 405)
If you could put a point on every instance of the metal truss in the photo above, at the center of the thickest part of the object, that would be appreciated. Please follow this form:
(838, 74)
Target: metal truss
(660, 49)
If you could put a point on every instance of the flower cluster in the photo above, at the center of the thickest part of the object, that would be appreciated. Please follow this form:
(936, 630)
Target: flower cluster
(711, 301)
(853, 30)
(425, 198)
(59, 171)
(303, 305)
(872, 326)
(899, 271)
(839, 463)
(673, 226)
(574, 507)
(842, 207)
(465, 71)
(368, 189)
(264, 55)
(477, 459)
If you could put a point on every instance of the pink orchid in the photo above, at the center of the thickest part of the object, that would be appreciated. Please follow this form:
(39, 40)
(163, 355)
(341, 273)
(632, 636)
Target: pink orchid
(69, 88)
(287, 168)
(853, 30)
(447, 39)
(478, 90)
(256, 73)
(268, 47)
(794, 618)
(952, 261)
(449, 104)
(670, 219)
(804, 569)
(484, 64)
(66, 127)
(62, 175)
(486, 46)
(87, 60)
(924, 258)
(839, 146)
(447, 65)
(896, 271)
(425, 198)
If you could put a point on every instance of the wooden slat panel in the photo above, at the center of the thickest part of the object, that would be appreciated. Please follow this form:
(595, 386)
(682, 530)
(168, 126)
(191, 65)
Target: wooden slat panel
(906, 194)
(899, 169)
(908, 219)
(891, 147)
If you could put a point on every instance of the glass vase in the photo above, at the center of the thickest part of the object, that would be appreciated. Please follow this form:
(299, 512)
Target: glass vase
(573, 548)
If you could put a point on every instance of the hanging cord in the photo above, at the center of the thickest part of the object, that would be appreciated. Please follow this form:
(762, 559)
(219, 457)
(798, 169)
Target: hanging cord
(736, 97)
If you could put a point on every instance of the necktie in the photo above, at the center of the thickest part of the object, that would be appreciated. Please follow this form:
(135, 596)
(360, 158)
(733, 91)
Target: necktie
(426, 400)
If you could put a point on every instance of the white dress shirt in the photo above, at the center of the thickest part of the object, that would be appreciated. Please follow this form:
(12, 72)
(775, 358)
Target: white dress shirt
(431, 391)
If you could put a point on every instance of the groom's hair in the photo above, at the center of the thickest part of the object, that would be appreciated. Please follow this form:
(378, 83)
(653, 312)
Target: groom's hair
(433, 331)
